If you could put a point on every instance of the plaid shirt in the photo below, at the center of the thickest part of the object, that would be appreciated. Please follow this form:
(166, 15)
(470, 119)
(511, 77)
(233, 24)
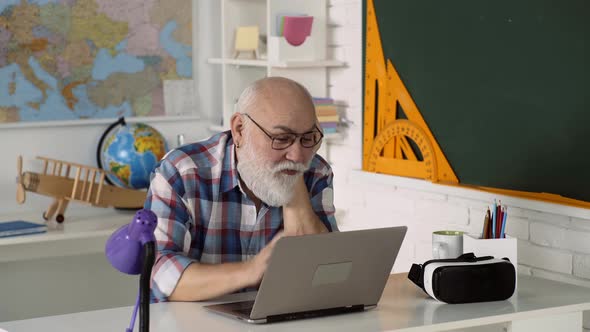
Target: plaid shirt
(205, 216)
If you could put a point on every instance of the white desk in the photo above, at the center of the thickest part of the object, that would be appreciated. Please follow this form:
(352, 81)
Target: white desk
(540, 305)
(84, 231)
(63, 270)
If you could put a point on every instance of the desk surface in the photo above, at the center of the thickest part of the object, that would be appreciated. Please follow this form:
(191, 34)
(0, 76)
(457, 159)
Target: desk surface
(85, 231)
(403, 307)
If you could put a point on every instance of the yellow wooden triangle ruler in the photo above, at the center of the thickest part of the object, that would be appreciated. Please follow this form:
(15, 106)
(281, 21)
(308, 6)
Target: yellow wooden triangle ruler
(391, 144)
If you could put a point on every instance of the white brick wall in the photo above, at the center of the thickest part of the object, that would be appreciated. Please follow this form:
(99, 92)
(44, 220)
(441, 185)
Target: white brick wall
(545, 258)
(553, 240)
(518, 228)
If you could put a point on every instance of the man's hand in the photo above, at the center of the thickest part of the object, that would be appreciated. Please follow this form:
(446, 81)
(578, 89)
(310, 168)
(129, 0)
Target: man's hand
(300, 194)
(299, 202)
(298, 215)
(258, 264)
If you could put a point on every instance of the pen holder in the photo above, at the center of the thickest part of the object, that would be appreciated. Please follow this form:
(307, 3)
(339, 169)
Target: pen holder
(499, 248)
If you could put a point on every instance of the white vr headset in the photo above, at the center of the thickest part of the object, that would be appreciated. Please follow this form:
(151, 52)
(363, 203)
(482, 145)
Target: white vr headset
(466, 279)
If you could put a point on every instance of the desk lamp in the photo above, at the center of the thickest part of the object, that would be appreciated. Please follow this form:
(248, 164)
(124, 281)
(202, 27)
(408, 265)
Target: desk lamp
(131, 250)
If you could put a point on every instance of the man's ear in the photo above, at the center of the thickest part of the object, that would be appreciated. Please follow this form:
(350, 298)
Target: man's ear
(237, 127)
(317, 147)
(319, 127)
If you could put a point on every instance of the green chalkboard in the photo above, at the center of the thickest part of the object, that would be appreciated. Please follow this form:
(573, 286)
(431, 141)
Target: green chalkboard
(502, 84)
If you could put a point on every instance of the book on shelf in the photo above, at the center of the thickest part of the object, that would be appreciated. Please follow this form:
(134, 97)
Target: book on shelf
(323, 101)
(325, 111)
(325, 125)
(327, 114)
(328, 118)
(325, 107)
(20, 227)
(328, 131)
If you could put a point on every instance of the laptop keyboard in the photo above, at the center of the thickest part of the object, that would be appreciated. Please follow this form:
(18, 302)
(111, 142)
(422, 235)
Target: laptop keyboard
(246, 311)
(314, 313)
(244, 307)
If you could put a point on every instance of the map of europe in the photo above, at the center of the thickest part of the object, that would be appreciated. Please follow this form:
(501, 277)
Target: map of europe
(80, 59)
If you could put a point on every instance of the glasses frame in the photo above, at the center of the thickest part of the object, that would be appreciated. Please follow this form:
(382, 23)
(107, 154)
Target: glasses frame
(300, 136)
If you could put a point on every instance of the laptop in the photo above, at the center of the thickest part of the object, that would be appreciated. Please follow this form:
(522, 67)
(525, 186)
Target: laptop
(321, 274)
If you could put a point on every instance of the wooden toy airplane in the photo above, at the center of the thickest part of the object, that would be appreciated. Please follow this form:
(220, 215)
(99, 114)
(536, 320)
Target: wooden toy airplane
(86, 186)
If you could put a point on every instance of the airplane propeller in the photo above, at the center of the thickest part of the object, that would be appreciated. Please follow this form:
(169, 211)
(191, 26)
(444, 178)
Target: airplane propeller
(20, 187)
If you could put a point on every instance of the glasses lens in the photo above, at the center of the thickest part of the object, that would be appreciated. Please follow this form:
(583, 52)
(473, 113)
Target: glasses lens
(283, 141)
(310, 139)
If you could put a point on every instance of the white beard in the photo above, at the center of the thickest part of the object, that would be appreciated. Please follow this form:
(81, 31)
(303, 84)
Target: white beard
(265, 180)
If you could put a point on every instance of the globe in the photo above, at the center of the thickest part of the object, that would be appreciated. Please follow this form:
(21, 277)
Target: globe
(130, 152)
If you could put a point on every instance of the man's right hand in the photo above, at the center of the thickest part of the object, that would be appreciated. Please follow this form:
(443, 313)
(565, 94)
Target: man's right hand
(206, 281)
(258, 264)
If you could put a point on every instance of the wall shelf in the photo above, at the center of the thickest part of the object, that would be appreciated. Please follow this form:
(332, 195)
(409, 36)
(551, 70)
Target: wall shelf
(280, 64)
(92, 122)
(307, 64)
(217, 128)
(84, 231)
(239, 62)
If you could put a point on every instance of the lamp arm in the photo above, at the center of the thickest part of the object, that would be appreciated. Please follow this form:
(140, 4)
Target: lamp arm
(144, 286)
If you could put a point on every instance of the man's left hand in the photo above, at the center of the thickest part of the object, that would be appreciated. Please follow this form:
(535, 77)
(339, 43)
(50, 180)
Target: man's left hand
(300, 196)
(298, 215)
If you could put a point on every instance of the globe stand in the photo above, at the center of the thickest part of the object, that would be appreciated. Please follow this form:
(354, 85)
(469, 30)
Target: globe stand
(120, 121)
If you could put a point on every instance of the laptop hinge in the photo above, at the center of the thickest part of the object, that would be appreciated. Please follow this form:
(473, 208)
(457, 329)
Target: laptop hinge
(315, 313)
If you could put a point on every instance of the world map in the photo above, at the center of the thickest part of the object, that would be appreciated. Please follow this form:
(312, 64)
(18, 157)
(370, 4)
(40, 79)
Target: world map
(81, 59)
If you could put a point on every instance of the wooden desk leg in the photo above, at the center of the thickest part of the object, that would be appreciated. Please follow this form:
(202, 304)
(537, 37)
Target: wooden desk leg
(561, 322)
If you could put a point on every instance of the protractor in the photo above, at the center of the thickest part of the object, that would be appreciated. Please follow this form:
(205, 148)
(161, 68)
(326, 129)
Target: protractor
(406, 161)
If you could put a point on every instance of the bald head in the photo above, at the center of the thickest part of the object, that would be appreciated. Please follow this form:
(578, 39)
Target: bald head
(271, 107)
(273, 96)
(272, 131)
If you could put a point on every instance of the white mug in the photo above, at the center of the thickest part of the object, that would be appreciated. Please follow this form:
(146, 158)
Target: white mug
(447, 244)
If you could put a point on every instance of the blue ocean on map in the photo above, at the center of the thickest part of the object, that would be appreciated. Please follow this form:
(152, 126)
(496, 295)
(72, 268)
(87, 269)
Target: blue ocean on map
(46, 72)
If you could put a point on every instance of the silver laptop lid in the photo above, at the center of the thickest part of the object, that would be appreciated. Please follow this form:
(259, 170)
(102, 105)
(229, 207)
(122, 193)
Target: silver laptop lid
(328, 270)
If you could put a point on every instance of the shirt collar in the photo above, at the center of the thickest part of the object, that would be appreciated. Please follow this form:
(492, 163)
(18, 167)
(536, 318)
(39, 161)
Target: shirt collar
(231, 180)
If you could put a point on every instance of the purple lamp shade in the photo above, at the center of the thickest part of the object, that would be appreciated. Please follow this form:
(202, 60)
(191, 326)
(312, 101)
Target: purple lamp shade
(297, 28)
(124, 249)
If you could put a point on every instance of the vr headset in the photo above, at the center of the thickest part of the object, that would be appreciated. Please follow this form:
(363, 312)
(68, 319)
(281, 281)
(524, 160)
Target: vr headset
(466, 279)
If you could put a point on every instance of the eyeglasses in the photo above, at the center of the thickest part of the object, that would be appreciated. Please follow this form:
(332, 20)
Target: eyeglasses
(283, 141)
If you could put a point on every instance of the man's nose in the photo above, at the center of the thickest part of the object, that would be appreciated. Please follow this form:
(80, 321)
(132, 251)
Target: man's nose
(296, 152)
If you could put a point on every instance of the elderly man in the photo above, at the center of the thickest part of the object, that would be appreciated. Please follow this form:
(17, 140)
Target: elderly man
(224, 202)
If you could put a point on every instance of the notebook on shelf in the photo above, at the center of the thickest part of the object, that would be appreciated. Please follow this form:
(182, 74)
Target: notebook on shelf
(20, 227)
